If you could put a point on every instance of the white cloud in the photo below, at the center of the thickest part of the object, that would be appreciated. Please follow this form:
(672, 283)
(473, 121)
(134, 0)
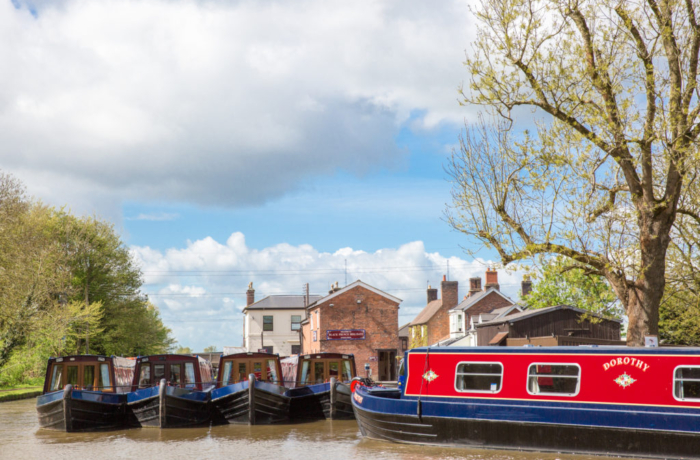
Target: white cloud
(156, 216)
(224, 103)
(200, 288)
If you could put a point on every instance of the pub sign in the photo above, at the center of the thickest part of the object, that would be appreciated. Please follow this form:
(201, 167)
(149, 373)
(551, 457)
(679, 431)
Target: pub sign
(345, 334)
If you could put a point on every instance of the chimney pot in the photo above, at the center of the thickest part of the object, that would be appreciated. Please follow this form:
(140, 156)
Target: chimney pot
(250, 295)
(491, 279)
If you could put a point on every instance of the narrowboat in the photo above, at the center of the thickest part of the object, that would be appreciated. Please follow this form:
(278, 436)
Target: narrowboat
(85, 393)
(170, 391)
(249, 390)
(586, 400)
(319, 386)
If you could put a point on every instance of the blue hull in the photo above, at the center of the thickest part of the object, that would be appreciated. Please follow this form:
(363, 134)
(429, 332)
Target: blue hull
(657, 432)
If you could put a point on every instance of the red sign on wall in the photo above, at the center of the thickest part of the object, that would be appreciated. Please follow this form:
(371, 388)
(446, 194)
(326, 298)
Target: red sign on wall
(346, 334)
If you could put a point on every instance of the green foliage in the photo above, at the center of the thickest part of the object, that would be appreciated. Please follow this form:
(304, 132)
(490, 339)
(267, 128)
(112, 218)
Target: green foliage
(210, 349)
(558, 283)
(65, 282)
(180, 350)
(679, 319)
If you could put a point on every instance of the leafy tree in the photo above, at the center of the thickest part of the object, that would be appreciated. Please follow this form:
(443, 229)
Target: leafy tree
(557, 284)
(210, 349)
(180, 350)
(604, 174)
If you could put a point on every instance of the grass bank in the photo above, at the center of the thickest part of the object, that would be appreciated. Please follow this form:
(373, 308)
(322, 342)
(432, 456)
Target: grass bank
(20, 393)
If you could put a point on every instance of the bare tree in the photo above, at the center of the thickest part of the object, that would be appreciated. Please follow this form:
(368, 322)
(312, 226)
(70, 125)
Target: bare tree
(604, 173)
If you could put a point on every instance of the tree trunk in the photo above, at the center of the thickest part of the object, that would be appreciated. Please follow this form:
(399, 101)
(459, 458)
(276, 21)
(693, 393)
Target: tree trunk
(643, 296)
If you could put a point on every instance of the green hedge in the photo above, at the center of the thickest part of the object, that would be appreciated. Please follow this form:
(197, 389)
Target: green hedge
(19, 394)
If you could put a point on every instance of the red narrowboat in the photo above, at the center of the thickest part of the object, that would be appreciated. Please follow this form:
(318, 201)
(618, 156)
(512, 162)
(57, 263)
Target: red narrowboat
(249, 390)
(319, 385)
(170, 391)
(592, 400)
(85, 393)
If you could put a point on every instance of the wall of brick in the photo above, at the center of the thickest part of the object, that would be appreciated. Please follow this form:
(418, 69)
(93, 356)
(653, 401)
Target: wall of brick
(439, 324)
(374, 313)
(492, 301)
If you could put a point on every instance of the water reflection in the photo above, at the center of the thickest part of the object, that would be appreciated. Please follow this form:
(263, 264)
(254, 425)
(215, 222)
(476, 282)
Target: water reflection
(21, 438)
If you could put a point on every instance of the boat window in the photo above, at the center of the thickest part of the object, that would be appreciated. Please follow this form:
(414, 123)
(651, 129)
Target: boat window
(175, 374)
(559, 379)
(145, 376)
(686, 383)
(257, 370)
(104, 376)
(272, 370)
(89, 377)
(402, 369)
(227, 373)
(56, 377)
(332, 369)
(189, 373)
(318, 372)
(158, 372)
(347, 371)
(72, 375)
(241, 372)
(479, 377)
(305, 372)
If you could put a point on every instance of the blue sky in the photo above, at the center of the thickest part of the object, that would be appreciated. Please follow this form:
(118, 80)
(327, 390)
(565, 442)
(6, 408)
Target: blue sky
(238, 141)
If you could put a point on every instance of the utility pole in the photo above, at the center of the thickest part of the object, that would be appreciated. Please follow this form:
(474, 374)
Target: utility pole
(87, 306)
(448, 269)
(346, 272)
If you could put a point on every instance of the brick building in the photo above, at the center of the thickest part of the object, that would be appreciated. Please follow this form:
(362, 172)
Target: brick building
(478, 302)
(432, 323)
(358, 319)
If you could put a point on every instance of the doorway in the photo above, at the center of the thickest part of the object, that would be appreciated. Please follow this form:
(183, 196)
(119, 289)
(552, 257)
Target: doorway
(387, 365)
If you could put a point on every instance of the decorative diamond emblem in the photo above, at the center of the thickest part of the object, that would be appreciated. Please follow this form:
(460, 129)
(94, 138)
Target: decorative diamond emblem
(625, 380)
(430, 376)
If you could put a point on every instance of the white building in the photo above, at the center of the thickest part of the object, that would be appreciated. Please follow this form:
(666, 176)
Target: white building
(469, 338)
(273, 323)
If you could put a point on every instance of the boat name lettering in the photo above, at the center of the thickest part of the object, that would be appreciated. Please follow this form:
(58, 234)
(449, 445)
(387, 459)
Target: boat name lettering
(626, 361)
(357, 397)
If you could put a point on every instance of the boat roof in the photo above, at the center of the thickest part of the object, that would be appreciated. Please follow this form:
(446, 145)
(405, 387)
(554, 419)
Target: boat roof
(585, 349)
(250, 353)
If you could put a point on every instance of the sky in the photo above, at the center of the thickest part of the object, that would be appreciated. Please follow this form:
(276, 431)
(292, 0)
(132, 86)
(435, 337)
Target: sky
(236, 141)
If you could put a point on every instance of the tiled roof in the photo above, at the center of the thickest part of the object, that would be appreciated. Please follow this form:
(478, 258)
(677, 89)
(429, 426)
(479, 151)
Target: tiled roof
(539, 311)
(427, 312)
(281, 302)
(471, 301)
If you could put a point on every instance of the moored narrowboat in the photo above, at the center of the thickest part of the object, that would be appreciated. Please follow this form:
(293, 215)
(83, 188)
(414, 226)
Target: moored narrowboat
(249, 390)
(170, 391)
(319, 385)
(85, 393)
(591, 400)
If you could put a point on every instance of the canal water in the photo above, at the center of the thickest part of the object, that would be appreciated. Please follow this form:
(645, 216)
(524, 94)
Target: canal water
(21, 438)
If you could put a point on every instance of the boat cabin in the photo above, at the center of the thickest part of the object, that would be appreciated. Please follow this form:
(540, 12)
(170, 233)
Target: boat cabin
(89, 372)
(316, 368)
(663, 377)
(235, 368)
(192, 372)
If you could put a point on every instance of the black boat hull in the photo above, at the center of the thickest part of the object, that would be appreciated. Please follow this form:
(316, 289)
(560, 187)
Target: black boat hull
(78, 411)
(526, 436)
(250, 403)
(329, 401)
(170, 407)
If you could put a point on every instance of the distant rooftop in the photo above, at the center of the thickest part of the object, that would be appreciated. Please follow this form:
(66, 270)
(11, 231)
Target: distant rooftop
(281, 302)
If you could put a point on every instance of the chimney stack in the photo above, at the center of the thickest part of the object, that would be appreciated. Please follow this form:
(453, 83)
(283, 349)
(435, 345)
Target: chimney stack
(450, 293)
(525, 287)
(432, 294)
(250, 295)
(474, 285)
(492, 279)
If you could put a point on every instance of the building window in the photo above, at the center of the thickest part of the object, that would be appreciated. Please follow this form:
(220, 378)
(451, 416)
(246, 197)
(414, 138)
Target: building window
(479, 377)
(296, 349)
(558, 379)
(296, 322)
(686, 383)
(459, 323)
(267, 323)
